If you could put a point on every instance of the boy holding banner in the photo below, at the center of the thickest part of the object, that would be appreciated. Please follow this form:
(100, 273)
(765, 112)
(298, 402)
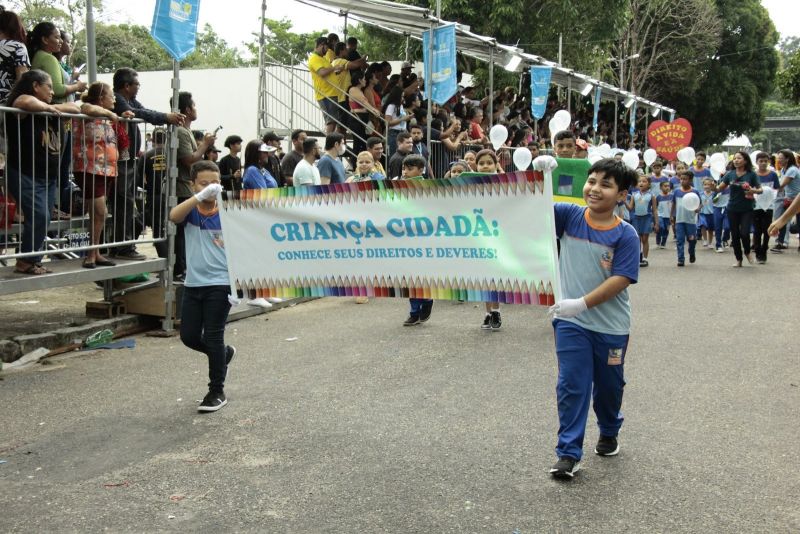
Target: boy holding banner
(599, 260)
(205, 293)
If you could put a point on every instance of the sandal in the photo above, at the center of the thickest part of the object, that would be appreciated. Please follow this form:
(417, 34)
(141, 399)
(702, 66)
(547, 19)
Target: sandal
(31, 268)
(88, 265)
(39, 265)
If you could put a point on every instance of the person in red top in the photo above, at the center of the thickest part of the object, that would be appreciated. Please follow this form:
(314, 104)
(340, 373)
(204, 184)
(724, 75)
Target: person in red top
(475, 129)
(95, 150)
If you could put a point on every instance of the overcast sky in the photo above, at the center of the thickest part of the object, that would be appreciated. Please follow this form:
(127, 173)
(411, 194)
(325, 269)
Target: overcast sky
(235, 20)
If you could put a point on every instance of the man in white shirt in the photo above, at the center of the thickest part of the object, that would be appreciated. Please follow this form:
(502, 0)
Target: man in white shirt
(306, 173)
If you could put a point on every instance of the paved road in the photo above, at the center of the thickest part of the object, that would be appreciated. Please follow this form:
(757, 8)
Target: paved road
(361, 425)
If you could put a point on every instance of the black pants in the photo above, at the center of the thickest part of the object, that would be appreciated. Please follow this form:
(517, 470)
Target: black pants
(761, 221)
(128, 223)
(204, 312)
(740, 232)
(180, 246)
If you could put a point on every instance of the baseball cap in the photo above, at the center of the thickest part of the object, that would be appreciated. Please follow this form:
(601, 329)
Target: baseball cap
(266, 148)
(212, 148)
(271, 136)
(582, 144)
(406, 65)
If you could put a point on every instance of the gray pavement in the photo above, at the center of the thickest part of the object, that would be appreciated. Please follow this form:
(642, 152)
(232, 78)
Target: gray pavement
(361, 425)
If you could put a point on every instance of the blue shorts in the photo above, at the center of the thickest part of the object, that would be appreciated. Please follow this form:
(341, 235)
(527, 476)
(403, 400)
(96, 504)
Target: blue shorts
(643, 224)
(706, 220)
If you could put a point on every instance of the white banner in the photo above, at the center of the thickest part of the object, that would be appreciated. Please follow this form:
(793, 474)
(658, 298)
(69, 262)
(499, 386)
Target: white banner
(477, 238)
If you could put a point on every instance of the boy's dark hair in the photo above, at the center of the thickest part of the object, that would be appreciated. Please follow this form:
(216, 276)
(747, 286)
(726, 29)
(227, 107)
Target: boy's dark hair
(309, 144)
(374, 140)
(414, 160)
(333, 138)
(565, 134)
(658, 162)
(762, 155)
(402, 136)
(700, 153)
(320, 41)
(624, 177)
(415, 127)
(352, 41)
(200, 166)
(296, 134)
(184, 101)
(690, 174)
(232, 140)
(339, 47)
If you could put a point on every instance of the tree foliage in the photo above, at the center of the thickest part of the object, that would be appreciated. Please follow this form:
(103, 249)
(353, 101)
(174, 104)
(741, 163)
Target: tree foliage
(282, 45)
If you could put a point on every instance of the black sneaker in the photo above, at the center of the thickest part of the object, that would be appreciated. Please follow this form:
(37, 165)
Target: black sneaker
(607, 446)
(412, 320)
(643, 263)
(425, 311)
(230, 352)
(565, 468)
(680, 264)
(487, 322)
(777, 249)
(212, 402)
(692, 258)
(130, 254)
(496, 321)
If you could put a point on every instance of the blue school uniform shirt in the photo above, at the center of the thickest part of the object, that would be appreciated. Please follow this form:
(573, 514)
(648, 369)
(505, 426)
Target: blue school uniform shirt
(590, 254)
(707, 202)
(642, 203)
(665, 205)
(255, 178)
(206, 264)
(655, 183)
(699, 176)
(682, 215)
(675, 183)
(770, 179)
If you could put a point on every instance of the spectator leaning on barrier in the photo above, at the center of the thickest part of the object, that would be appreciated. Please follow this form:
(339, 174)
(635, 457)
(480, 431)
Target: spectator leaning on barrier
(95, 153)
(14, 60)
(293, 157)
(230, 166)
(127, 227)
(32, 160)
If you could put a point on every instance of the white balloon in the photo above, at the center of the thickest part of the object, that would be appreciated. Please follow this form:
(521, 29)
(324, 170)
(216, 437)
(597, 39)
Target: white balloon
(764, 200)
(650, 155)
(686, 155)
(562, 118)
(631, 159)
(594, 158)
(522, 158)
(717, 162)
(691, 201)
(498, 135)
(605, 150)
(554, 129)
(753, 156)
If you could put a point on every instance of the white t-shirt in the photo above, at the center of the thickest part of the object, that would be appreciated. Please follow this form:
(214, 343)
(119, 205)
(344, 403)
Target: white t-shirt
(305, 174)
(396, 113)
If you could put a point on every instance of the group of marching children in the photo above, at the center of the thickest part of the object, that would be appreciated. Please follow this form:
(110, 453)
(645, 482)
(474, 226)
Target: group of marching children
(726, 213)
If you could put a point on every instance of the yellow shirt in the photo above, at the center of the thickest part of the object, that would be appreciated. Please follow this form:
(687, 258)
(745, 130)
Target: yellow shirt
(322, 87)
(330, 55)
(341, 80)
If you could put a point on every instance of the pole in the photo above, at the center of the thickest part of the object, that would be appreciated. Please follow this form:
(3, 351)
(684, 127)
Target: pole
(261, 74)
(569, 96)
(91, 51)
(429, 96)
(491, 87)
(172, 200)
(616, 117)
(560, 48)
(344, 39)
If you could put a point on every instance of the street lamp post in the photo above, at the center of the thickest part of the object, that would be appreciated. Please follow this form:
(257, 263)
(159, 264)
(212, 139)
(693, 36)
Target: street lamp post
(621, 62)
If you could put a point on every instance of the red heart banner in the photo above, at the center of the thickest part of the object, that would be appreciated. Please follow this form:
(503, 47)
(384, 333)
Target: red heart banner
(667, 138)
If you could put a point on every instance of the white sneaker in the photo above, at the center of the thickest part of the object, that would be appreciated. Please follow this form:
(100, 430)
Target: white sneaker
(260, 302)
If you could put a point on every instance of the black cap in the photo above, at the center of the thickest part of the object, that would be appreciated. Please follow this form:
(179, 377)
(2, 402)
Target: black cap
(232, 140)
(271, 136)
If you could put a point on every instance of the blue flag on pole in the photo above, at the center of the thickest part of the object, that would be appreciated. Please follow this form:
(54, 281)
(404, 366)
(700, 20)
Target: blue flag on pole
(633, 120)
(597, 92)
(540, 88)
(443, 83)
(175, 26)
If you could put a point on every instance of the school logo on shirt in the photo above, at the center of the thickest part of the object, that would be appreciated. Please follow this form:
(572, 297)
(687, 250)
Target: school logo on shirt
(615, 356)
(606, 260)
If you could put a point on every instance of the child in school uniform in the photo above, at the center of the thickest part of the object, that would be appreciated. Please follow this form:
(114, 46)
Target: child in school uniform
(207, 286)
(706, 219)
(642, 203)
(414, 167)
(599, 260)
(657, 178)
(685, 220)
(664, 202)
(486, 162)
(762, 215)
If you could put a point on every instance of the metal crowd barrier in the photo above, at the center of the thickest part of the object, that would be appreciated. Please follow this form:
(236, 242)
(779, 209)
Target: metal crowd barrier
(49, 196)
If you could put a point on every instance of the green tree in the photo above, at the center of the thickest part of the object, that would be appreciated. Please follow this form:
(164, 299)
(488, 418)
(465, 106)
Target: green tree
(282, 45)
(126, 45)
(736, 80)
(212, 52)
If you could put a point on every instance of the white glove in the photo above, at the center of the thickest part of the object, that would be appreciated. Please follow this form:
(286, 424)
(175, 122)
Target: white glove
(233, 301)
(209, 192)
(544, 163)
(567, 308)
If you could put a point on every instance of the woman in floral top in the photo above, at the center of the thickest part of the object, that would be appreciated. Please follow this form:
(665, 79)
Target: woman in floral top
(95, 151)
(14, 61)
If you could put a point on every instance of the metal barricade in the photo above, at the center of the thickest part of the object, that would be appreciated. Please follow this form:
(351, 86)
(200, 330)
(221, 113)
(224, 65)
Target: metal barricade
(73, 186)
